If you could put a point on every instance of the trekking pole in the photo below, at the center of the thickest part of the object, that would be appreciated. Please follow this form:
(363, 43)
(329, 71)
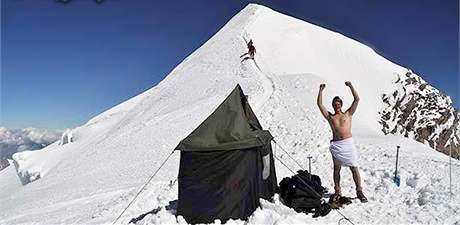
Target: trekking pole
(396, 178)
(309, 165)
(450, 168)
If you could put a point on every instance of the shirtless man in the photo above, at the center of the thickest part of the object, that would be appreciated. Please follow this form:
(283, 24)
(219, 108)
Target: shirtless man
(342, 147)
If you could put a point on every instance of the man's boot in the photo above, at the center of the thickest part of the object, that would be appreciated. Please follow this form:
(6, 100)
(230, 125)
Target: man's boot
(361, 196)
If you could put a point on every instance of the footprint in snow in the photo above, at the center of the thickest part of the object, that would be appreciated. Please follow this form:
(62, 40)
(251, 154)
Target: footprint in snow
(412, 182)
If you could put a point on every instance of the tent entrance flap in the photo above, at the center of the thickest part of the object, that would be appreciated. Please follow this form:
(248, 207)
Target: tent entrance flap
(217, 185)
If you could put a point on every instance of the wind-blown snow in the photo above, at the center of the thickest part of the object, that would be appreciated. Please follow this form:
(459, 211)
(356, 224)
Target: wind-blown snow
(93, 178)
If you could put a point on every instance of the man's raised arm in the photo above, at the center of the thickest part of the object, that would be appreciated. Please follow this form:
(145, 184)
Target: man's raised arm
(354, 105)
(319, 101)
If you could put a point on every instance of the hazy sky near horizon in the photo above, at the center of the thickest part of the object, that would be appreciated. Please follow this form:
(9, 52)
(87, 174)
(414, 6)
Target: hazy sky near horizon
(63, 63)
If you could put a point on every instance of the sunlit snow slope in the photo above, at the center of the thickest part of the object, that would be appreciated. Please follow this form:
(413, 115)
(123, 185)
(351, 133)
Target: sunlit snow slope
(93, 178)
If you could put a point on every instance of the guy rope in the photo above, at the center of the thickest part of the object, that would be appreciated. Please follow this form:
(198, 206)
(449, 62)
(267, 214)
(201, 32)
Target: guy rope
(143, 188)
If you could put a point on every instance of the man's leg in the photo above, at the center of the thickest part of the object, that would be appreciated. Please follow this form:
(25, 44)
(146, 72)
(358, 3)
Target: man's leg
(337, 167)
(359, 188)
(247, 53)
(356, 178)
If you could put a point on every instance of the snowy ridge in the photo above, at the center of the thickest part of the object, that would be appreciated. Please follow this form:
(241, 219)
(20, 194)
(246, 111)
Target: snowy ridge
(417, 110)
(92, 179)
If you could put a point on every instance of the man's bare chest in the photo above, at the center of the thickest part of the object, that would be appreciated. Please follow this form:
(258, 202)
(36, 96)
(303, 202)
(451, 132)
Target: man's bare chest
(340, 120)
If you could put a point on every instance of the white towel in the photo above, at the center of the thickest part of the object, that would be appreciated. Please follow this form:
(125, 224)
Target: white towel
(345, 152)
(266, 170)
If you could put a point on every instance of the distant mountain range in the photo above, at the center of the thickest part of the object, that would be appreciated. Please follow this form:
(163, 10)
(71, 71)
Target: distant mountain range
(16, 140)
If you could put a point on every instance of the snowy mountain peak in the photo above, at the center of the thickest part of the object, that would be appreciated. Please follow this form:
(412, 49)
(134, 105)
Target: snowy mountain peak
(93, 177)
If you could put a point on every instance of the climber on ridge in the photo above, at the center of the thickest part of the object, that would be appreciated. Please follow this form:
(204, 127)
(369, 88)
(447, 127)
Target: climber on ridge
(251, 51)
(342, 146)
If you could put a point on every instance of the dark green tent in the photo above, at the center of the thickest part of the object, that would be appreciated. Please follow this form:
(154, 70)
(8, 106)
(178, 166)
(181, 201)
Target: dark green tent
(221, 164)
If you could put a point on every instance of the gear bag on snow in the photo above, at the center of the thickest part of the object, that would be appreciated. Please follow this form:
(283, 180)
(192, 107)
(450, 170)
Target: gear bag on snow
(303, 193)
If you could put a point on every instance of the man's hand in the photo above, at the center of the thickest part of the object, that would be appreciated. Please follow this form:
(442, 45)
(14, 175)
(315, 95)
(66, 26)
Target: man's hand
(354, 105)
(322, 86)
(319, 101)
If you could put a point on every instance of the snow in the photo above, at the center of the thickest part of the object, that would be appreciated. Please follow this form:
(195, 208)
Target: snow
(92, 179)
(67, 137)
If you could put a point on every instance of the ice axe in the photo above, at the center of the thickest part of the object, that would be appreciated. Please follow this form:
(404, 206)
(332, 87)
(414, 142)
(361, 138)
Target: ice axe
(397, 179)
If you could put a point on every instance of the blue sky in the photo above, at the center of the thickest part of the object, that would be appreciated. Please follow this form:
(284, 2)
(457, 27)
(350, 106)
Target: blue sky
(62, 64)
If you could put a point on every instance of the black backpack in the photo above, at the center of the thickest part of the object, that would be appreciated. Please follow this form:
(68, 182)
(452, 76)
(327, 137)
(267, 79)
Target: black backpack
(303, 193)
(313, 180)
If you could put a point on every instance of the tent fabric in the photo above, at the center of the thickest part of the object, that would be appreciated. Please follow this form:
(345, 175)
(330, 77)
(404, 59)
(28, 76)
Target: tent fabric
(233, 125)
(228, 190)
(220, 172)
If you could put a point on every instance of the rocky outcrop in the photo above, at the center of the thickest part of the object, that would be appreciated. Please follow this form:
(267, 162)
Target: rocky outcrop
(417, 110)
(4, 163)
